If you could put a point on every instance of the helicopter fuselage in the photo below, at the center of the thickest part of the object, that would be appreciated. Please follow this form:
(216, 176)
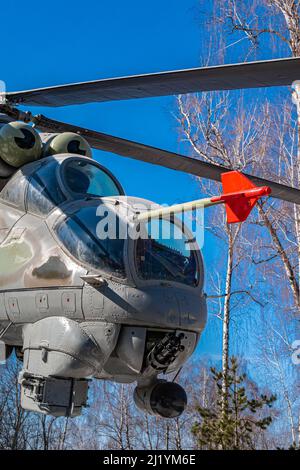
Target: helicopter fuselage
(97, 319)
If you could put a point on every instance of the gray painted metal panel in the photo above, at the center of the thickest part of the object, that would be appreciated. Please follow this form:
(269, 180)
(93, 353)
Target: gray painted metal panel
(151, 306)
(24, 306)
(131, 347)
(3, 314)
(223, 77)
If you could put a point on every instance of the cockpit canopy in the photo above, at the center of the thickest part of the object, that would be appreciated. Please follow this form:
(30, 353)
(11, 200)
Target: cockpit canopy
(50, 182)
(162, 252)
(78, 234)
(166, 254)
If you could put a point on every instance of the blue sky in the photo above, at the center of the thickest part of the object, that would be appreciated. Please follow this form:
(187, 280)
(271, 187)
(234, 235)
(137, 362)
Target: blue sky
(75, 41)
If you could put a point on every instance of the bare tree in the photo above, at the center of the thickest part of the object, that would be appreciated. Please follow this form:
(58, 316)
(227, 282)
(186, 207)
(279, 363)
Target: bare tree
(216, 136)
(278, 19)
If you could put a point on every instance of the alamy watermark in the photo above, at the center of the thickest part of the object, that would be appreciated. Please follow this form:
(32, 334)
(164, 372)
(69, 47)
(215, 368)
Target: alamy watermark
(185, 225)
(2, 92)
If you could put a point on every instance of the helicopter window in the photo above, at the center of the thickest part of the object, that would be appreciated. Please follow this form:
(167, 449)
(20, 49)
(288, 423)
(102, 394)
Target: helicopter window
(166, 254)
(14, 190)
(44, 192)
(78, 234)
(82, 177)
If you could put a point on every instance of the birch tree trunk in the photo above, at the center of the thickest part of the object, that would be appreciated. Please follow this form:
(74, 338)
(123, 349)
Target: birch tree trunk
(226, 323)
(296, 100)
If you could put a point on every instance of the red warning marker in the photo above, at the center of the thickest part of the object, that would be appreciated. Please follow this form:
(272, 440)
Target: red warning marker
(239, 195)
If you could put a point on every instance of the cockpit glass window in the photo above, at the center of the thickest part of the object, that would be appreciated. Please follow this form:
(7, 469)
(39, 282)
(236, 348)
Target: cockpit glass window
(14, 191)
(85, 178)
(78, 234)
(44, 192)
(166, 254)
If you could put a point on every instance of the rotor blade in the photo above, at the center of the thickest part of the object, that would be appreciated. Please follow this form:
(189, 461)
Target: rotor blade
(222, 77)
(174, 161)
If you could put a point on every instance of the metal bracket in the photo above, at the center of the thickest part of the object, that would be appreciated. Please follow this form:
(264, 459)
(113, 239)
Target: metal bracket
(94, 280)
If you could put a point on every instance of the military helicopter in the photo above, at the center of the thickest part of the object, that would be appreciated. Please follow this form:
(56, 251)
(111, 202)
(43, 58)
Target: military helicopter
(74, 306)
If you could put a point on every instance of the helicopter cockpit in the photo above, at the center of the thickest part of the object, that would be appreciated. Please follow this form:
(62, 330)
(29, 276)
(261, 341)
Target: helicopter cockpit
(166, 254)
(55, 182)
(43, 185)
(163, 251)
(77, 232)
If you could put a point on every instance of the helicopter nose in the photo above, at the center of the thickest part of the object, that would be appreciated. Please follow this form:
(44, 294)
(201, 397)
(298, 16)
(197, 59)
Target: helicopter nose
(154, 306)
(170, 307)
